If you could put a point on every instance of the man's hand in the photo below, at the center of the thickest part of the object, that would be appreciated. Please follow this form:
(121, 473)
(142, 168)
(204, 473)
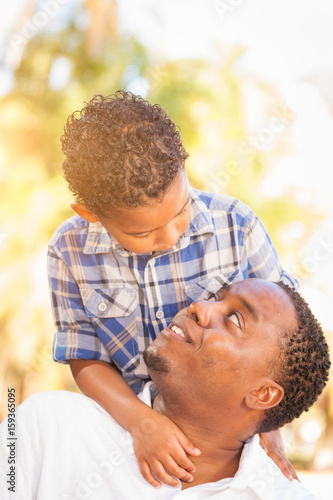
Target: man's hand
(161, 450)
(272, 443)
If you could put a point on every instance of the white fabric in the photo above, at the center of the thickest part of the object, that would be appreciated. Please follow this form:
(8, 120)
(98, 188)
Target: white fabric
(69, 448)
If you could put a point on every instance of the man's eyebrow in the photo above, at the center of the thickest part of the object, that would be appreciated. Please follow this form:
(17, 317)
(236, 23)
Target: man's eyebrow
(250, 308)
(151, 230)
(243, 301)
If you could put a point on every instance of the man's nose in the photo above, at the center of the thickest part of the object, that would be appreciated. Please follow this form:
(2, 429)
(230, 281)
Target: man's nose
(199, 311)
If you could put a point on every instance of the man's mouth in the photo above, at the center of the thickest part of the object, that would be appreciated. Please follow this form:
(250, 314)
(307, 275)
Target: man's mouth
(177, 333)
(178, 330)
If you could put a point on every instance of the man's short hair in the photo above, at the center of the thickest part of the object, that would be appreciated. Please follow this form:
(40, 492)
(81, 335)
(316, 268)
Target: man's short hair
(303, 368)
(121, 151)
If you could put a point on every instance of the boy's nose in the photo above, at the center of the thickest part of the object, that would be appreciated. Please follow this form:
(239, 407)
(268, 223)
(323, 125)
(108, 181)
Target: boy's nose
(168, 236)
(199, 311)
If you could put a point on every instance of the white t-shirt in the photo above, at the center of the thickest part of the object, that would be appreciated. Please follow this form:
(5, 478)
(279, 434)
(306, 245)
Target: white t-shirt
(69, 448)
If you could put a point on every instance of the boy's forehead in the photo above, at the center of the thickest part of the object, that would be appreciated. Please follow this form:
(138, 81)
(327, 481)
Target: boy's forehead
(156, 214)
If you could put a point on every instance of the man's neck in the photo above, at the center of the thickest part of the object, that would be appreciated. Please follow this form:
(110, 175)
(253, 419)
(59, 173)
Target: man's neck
(220, 450)
(216, 461)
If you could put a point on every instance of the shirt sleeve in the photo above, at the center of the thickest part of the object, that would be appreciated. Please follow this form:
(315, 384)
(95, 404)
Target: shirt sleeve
(261, 257)
(75, 337)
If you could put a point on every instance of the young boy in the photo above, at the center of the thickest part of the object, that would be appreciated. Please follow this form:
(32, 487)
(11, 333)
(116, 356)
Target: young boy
(142, 246)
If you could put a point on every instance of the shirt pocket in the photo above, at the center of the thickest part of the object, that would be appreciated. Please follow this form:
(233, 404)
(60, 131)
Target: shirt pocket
(202, 289)
(105, 303)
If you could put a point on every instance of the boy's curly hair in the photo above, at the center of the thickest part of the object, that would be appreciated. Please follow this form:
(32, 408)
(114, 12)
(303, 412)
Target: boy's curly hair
(303, 368)
(121, 151)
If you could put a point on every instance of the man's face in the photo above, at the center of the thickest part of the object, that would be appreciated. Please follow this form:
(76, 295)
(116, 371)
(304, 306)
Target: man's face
(215, 350)
(156, 227)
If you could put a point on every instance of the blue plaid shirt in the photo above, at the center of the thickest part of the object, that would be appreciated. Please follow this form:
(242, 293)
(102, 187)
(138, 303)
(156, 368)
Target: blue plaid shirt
(109, 304)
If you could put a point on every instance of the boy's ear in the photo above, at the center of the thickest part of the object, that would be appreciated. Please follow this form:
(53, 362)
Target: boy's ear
(83, 211)
(268, 395)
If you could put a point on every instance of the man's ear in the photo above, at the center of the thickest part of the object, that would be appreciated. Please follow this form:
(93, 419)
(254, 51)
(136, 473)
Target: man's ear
(83, 212)
(268, 395)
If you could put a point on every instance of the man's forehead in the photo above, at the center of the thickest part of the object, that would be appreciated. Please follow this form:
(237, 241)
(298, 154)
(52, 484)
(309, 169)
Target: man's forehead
(258, 295)
(252, 286)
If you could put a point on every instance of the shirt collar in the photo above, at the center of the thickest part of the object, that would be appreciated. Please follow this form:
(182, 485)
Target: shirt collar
(100, 241)
(257, 472)
(201, 219)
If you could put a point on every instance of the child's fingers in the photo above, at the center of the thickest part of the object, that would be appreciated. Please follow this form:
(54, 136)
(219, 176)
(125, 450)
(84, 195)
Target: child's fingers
(163, 476)
(182, 460)
(173, 468)
(188, 446)
(147, 475)
(284, 465)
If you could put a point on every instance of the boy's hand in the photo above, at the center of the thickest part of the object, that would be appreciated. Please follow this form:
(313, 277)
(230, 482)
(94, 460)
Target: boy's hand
(161, 449)
(272, 443)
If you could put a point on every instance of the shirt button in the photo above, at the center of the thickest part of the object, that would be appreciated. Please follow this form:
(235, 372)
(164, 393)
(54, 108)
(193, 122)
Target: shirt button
(159, 314)
(102, 307)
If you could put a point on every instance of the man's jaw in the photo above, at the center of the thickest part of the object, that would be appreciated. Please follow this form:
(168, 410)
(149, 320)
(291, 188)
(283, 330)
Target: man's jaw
(154, 361)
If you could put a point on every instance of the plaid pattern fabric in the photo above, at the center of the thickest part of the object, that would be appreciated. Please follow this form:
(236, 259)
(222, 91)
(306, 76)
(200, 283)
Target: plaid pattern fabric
(109, 304)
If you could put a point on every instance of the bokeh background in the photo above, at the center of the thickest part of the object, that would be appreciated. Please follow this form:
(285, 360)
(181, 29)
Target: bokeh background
(250, 84)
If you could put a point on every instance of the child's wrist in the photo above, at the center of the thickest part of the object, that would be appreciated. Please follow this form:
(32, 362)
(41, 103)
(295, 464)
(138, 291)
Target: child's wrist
(143, 421)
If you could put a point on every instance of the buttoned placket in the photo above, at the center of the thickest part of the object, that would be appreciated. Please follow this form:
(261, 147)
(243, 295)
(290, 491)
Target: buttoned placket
(153, 297)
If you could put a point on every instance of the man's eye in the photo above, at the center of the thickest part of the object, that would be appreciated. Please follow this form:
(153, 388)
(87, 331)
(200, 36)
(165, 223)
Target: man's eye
(212, 296)
(234, 318)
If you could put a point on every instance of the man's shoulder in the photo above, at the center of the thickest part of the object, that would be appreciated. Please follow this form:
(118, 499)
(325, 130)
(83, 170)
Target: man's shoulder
(74, 226)
(263, 479)
(55, 398)
(218, 204)
(50, 406)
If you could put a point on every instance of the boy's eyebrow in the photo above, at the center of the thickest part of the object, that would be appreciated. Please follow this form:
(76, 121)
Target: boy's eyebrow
(151, 230)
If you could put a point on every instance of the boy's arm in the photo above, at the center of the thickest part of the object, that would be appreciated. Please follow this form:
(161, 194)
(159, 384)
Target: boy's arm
(76, 336)
(272, 443)
(159, 445)
(101, 382)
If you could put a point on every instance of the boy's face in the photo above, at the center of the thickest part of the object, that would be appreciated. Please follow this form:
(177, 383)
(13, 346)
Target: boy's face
(156, 227)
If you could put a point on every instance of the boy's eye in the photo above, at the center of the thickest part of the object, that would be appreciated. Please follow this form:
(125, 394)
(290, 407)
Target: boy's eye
(142, 237)
(185, 208)
(234, 318)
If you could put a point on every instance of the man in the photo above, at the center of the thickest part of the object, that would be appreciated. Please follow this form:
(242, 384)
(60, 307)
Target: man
(248, 362)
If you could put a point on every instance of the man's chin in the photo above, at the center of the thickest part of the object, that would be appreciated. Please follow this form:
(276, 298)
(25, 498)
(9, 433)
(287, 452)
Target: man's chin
(155, 362)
